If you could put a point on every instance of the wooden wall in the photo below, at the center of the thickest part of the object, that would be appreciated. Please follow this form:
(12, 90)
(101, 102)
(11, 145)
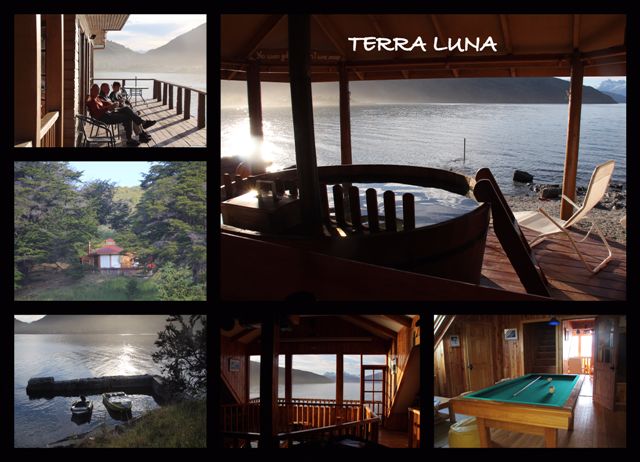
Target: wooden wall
(236, 381)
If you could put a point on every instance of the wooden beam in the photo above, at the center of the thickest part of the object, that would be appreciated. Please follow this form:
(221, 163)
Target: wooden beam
(400, 319)
(256, 39)
(254, 100)
(269, 381)
(345, 117)
(573, 138)
(339, 383)
(288, 365)
(302, 109)
(55, 71)
(576, 31)
(373, 327)
(328, 31)
(26, 78)
(506, 36)
(237, 337)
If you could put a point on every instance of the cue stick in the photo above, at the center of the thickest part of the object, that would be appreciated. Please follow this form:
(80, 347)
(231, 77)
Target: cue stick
(526, 386)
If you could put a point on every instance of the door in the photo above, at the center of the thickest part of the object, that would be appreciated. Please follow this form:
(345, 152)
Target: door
(604, 376)
(477, 354)
(372, 388)
(105, 261)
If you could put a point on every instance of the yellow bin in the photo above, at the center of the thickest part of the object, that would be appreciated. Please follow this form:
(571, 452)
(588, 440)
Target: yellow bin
(464, 434)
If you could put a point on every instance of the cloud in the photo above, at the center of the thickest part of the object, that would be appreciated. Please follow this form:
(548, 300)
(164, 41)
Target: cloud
(144, 32)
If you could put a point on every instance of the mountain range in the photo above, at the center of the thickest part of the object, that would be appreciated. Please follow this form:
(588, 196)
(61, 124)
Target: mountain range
(297, 376)
(187, 53)
(616, 89)
(473, 90)
(92, 324)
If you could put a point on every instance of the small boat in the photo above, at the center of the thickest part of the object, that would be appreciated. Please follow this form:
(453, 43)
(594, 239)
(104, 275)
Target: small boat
(82, 407)
(117, 401)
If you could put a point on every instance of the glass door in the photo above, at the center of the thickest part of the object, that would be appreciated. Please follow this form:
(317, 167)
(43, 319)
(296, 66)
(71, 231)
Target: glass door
(372, 388)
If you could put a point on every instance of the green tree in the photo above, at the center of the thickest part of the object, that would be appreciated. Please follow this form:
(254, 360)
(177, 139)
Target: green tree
(101, 196)
(176, 284)
(182, 353)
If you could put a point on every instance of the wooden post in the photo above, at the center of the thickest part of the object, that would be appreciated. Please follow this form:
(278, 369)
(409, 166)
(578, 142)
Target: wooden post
(573, 137)
(187, 104)
(389, 198)
(164, 94)
(155, 89)
(201, 110)
(338, 205)
(254, 100)
(269, 381)
(302, 109)
(288, 389)
(345, 117)
(55, 72)
(354, 208)
(408, 212)
(339, 386)
(372, 210)
(26, 73)
(170, 96)
(179, 101)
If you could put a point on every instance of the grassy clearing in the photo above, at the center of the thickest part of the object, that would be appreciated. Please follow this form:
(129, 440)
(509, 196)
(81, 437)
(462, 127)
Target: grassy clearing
(182, 425)
(90, 287)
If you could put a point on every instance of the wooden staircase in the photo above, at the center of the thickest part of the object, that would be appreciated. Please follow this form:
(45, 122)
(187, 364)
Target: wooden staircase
(545, 358)
(406, 394)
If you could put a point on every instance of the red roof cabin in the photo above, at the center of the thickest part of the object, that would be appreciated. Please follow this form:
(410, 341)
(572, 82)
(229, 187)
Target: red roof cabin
(109, 256)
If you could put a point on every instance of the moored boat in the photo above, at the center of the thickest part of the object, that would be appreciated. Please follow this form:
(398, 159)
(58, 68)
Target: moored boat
(82, 407)
(117, 401)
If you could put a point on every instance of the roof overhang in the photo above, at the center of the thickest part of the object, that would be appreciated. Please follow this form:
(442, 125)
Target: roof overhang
(100, 24)
(526, 45)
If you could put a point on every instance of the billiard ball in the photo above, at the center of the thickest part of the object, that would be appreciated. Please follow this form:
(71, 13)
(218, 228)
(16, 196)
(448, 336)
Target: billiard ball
(548, 379)
(552, 389)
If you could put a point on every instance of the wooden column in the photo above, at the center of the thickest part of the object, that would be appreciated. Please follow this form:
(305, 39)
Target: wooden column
(26, 73)
(55, 71)
(573, 137)
(187, 104)
(339, 384)
(288, 367)
(345, 117)
(269, 381)
(179, 101)
(302, 109)
(254, 99)
(170, 96)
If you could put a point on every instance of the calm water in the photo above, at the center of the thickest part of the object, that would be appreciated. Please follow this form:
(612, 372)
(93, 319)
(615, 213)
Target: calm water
(529, 137)
(196, 81)
(314, 390)
(41, 421)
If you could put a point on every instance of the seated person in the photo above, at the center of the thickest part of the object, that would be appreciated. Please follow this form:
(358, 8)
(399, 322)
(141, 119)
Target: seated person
(118, 97)
(105, 112)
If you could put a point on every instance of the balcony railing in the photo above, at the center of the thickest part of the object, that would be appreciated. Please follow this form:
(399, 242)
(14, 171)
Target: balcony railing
(299, 420)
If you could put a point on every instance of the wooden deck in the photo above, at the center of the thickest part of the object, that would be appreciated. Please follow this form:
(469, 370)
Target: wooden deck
(171, 130)
(567, 276)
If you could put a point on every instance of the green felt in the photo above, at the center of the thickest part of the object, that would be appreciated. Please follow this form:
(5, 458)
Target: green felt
(538, 393)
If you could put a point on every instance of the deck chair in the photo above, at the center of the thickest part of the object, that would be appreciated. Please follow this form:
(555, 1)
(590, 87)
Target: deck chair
(546, 226)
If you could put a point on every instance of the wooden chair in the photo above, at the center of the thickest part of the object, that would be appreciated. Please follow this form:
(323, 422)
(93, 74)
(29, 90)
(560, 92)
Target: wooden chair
(86, 127)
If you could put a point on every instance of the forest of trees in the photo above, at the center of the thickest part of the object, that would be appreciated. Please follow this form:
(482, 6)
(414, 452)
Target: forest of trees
(56, 216)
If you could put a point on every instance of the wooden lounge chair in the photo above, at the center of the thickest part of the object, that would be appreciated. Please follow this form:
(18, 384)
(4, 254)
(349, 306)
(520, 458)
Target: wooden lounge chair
(546, 226)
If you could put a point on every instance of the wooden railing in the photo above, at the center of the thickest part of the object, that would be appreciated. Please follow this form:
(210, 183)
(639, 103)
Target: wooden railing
(163, 91)
(414, 428)
(240, 423)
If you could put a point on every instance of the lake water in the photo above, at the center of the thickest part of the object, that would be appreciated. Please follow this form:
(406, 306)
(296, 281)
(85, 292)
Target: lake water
(196, 81)
(503, 137)
(41, 421)
(314, 390)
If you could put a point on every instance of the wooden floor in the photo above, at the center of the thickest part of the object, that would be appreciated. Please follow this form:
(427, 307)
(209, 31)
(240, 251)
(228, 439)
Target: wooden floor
(567, 276)
(393, 439)
(594, 427)
(171, 130)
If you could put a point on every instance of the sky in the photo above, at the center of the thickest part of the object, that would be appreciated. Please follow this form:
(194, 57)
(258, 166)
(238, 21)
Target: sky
(121, 173)
(29, 317)
(596, 81)
(320, 364)
(144, 32)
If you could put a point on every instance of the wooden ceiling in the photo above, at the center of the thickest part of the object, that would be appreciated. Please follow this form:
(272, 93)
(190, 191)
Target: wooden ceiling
(528, 45)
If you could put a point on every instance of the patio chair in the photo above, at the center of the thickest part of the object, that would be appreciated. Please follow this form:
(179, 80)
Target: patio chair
(86, 127)
(546, 226)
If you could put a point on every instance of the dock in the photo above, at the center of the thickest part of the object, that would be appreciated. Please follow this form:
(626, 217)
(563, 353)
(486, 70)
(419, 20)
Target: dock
(48, 387)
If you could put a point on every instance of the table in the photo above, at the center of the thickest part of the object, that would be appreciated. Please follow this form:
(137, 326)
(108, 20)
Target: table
(135, 92)
(534, 410)
(440, 402)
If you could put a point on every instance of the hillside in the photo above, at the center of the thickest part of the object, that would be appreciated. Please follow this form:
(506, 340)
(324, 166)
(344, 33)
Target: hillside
(92, 324)
(130, 194)
(481, 91)
(297, 376)
(185, 53)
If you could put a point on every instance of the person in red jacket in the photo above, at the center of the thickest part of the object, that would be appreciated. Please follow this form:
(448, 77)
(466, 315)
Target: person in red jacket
(105, 112)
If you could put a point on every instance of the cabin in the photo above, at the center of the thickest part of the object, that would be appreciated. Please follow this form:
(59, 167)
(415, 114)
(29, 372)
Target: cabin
(530, 381)
(54, 58)
(356, 222)
(110, 258)
(266, 399)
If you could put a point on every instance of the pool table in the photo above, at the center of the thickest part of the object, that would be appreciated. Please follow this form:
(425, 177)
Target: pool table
(533, 410)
